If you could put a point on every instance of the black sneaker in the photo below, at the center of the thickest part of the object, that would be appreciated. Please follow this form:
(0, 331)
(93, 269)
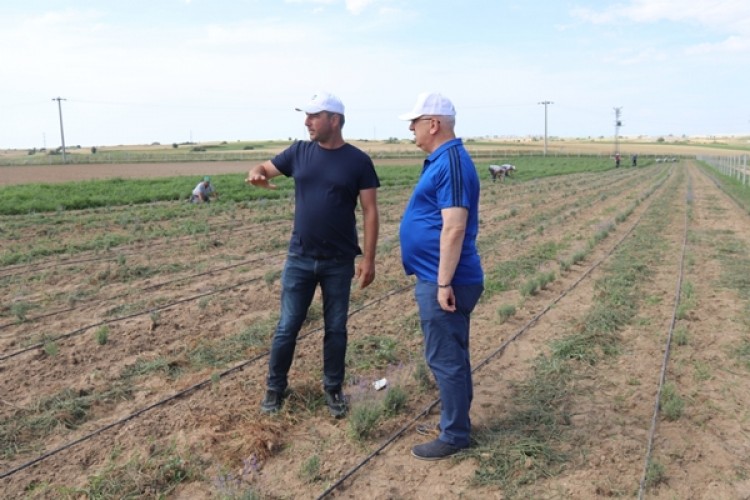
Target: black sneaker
(336, 403)
(434, 450)
(272, 402)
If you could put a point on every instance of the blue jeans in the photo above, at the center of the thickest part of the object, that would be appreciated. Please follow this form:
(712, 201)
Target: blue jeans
(446, 347)
(299, 279)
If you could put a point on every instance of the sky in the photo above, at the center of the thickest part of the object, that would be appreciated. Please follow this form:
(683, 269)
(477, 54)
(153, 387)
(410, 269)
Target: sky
(145, 71)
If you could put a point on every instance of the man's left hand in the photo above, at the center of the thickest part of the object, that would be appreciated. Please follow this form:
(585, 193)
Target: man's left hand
(446, 299)
(365, 273)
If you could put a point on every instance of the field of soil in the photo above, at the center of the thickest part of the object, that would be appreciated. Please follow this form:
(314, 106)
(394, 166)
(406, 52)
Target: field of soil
(136, 370)
(22, 174)
(59, 173)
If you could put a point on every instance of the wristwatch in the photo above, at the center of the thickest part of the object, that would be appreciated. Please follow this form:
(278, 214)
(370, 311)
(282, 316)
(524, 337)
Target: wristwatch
(444, 286)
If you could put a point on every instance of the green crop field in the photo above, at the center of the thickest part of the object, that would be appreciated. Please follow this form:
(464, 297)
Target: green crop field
(123, 302)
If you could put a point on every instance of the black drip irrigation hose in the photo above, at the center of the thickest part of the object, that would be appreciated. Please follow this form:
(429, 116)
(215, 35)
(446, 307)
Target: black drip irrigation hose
(123, 420)
(125, 249)
(245, 363)
(155, 286)
(123, 318)
(179, 394)
(665, 361)
(25, 268)
(152, 287)
(400, 432)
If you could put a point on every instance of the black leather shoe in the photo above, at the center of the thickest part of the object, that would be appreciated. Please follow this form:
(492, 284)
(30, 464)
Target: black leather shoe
(434, 450)
(336, 403)
(272, 402)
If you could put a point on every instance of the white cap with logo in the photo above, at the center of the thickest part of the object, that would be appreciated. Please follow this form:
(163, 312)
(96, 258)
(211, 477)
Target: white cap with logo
(430, 103)
(323, 101)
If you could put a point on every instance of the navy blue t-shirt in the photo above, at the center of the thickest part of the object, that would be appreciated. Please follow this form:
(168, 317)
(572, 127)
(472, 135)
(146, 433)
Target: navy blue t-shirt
(327, 183)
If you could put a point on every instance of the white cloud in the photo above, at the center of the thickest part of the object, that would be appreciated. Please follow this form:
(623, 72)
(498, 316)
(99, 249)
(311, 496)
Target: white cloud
(728, 17)
(649, 55)
(593, 17)
(266, 32)
(727, 14)
(357, 6)
(721, 15)
(724, 15)
(312, 2)
(733, 44)
(239, 76)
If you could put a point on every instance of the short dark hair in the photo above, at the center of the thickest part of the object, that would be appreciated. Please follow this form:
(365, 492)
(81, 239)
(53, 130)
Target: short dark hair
(342, 120)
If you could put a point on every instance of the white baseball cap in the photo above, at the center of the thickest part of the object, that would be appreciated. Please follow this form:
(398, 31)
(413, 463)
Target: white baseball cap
(430, 103)
(323, 101)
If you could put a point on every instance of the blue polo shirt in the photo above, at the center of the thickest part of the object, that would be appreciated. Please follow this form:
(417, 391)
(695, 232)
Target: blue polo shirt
(326, 188)
(449, 179)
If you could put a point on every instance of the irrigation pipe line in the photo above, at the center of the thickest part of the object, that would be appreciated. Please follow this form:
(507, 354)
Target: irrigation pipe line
(130, 248)
(151, 287)
(179, 394)
(245, 363)
(250, 361)
(665, 361)
(24, 268)
(400, 432)
(377, 451)
(127, 418)
(130, 251)
(129, 316)
(125, 249)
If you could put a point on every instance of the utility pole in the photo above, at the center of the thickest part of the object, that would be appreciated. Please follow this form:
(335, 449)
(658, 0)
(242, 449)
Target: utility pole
(545, 103)
(618, 124)
(62, 133)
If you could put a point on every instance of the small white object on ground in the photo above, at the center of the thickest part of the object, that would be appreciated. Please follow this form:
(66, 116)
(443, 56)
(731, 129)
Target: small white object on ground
(379, 384)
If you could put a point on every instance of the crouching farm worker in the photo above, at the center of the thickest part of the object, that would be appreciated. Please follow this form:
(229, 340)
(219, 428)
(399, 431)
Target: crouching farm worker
(203, 191)
(438, 236)
(501, 171)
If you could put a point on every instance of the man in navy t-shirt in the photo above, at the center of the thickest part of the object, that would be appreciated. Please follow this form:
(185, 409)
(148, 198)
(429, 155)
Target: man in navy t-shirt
(329, 175)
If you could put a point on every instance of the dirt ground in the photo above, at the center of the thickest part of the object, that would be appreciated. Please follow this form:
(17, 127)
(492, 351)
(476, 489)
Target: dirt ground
(67, 173)
(167, 302)
(10, 175)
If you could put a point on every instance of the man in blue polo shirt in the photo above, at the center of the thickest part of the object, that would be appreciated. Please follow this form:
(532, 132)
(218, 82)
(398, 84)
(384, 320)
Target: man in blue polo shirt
(438, 244)
(329, 175)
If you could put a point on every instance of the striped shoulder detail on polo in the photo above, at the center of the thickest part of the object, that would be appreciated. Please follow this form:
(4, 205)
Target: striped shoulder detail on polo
(456, 178)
